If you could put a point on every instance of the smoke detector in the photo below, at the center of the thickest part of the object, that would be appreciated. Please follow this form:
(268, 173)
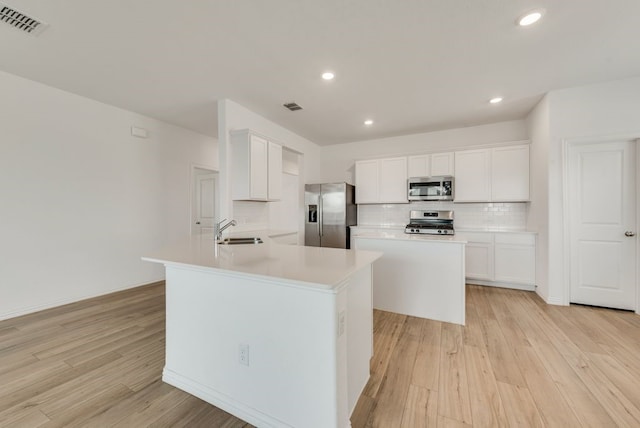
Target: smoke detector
(292, 106)
(20, 20)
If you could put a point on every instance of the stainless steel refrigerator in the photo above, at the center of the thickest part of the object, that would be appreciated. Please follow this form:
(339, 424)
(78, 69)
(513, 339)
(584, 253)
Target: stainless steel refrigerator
(330, 209)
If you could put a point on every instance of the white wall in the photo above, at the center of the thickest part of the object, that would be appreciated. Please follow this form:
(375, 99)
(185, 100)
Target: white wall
(538, 218)
(233, 116)
(338, 160)
(81, 199)
(604, 110)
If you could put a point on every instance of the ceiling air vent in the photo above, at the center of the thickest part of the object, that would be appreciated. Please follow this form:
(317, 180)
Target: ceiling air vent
(292, 106)
(20, 20)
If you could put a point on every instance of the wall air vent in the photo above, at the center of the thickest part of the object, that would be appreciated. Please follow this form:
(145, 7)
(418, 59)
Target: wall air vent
(20, 20)
(292, 106)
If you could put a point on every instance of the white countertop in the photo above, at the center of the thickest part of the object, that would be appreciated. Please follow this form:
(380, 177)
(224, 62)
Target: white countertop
(322, 268)
(386, 228)
(493, 230)
(400, 235)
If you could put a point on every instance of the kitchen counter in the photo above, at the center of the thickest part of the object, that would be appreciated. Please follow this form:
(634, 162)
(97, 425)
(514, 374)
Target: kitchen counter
(277, 335)
(419, 275)
(315, 267)
(400, 235)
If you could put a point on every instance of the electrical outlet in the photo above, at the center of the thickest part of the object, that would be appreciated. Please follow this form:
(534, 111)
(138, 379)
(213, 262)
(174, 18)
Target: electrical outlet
(243, 354)
(341, 323)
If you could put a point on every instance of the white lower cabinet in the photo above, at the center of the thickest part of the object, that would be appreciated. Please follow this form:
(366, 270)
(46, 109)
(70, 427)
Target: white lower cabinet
(479, 256)
(515, 258)
(502, 259)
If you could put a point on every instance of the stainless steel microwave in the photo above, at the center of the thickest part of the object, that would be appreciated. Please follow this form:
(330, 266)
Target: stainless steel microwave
(431, 188)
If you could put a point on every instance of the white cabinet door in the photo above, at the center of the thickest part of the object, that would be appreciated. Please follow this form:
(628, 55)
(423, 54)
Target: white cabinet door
(442, 164)
(258, 167)
(473, 173)
(515, 258)
(510, 173)
(479, 255)
(419, 166)
(478, 262)
(275, 172)
(367, 190)
(393, 180)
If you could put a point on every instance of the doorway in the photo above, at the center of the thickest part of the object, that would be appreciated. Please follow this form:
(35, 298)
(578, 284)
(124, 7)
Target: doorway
(602, 223)
(204, 200)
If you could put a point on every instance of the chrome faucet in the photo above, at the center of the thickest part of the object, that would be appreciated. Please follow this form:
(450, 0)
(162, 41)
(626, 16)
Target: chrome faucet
(219, 228)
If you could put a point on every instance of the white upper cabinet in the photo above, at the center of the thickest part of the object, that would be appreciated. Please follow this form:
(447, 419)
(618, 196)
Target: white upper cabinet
(274, 181)
(419, 166)
(473, 176)
(367, 190)
(431, 165)
(381, 181)
(442, 164)
(500, 174)
(510, 173)
(393, 180)
(256, 167)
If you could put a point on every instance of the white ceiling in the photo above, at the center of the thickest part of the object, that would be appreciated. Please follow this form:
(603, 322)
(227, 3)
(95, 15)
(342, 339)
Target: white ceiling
(410, 65)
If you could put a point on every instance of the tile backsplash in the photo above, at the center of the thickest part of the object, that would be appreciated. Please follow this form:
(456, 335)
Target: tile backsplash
(498, 215)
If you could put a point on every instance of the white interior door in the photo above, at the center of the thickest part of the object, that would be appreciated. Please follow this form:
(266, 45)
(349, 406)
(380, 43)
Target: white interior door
(602, 208)
(204, 208)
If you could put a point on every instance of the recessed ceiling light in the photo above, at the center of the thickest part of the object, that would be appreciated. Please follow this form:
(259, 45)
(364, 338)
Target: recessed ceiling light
(328, 75)
(495, 100)
(368, 122)
(530, 18)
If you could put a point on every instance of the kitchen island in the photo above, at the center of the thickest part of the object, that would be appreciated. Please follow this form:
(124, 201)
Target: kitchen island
(418, 275)
(278, 335)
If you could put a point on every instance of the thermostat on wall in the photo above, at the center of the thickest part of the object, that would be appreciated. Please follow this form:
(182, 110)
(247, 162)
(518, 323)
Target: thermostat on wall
(139, 132)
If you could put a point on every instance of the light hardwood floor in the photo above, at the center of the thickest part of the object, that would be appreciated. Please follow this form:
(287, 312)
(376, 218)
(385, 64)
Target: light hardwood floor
(517, 362)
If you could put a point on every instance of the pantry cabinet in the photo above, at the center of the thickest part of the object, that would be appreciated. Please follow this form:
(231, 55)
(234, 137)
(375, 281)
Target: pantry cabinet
(499, 174)
(381, 181)
(256, 167)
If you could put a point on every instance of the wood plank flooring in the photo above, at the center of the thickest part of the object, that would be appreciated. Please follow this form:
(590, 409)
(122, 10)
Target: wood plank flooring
(517, 362)
(96, 363)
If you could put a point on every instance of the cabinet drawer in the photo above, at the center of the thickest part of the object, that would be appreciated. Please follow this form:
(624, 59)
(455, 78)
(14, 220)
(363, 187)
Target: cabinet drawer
(527, 239)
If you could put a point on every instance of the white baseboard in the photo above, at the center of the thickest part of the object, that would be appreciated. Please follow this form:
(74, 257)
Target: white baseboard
(501, 284)
(222, 401)
(555, 301)
(55, 303)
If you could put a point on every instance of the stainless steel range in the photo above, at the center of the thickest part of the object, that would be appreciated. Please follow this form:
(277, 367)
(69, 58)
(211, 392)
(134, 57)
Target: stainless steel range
(430, 222)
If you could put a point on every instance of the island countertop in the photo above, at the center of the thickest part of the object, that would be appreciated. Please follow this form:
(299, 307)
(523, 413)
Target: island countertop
(322, 268)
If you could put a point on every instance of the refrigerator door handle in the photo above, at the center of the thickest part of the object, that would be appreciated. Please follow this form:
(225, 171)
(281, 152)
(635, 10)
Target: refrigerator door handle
(320, 215)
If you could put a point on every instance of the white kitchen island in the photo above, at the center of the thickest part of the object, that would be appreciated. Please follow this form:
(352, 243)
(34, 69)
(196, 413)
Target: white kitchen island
(418, 275)
(278, 335)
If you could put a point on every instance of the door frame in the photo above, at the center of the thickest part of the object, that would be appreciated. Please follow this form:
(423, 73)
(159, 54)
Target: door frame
(566, 209)
(192, 180)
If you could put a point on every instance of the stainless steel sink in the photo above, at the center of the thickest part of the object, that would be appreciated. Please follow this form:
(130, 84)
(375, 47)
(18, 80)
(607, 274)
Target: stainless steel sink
(238, 241)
